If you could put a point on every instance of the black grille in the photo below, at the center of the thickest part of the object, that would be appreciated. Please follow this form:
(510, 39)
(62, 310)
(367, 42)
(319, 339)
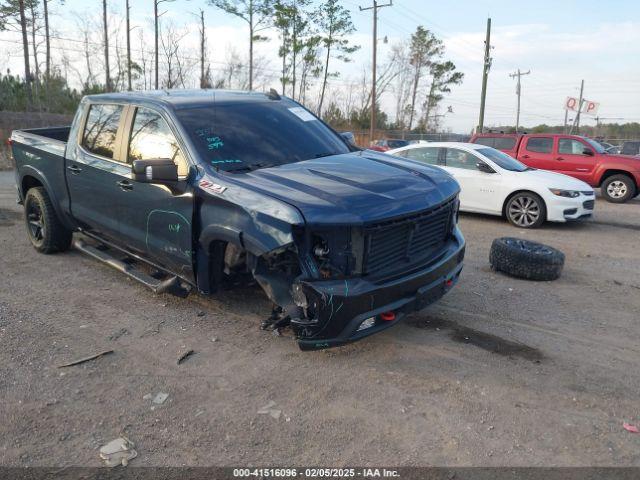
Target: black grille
(401, 243)
(589, 204)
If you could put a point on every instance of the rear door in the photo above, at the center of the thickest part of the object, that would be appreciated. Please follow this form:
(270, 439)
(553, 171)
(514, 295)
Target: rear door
(538, 152)
(157, 220)
(95, 171)
(573, 161)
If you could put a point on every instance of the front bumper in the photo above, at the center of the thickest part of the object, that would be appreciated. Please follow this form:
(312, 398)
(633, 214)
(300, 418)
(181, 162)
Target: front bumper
(343, 305)
(561, 209)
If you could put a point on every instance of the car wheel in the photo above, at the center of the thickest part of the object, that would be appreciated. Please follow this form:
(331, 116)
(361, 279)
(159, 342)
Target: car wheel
(526, 210)
(618, 189)
(45, 231)
(526, 259)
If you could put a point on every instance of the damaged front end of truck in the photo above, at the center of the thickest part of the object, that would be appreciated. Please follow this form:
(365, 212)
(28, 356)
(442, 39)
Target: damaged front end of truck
(335, 284)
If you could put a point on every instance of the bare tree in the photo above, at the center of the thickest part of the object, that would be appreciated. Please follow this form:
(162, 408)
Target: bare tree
(205, 71)
(156, 20)
(106, 46)
(178, 65)
(25, 48)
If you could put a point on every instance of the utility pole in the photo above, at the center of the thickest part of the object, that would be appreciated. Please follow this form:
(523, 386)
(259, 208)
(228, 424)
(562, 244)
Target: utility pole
(576, 120)
(566, 116)
(579, 109)
(518, 74)
(128, 49)
(485, 74)
(375, 8)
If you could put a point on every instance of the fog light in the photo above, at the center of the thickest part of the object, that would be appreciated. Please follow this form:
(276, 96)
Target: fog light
(388, 316)
(369, 322)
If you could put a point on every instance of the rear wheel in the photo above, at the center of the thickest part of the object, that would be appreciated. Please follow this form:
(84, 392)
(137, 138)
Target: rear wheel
(618, 188)
(45, 231)
(526, 210)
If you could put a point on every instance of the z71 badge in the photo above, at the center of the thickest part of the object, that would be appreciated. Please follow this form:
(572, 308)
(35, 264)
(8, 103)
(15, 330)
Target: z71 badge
(212, 187)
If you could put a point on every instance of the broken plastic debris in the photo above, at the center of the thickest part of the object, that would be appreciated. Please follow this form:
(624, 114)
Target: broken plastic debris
(630, 428)
(160, 398)
(118, 452)
(269, 409)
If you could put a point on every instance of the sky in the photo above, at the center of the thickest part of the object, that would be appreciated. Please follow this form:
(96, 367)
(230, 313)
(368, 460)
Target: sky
(560, 42)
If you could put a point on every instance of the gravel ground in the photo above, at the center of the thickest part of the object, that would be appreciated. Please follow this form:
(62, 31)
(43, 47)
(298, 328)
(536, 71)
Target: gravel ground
(500, 372)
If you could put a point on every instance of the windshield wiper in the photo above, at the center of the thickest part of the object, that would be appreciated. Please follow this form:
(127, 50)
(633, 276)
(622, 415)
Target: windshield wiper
(327, 154)
(251, 167)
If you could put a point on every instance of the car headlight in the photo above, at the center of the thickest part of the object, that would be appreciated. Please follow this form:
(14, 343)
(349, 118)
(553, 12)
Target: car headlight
(565, 193)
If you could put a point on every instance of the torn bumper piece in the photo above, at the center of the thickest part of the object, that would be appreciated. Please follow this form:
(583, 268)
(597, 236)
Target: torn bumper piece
(343, 305)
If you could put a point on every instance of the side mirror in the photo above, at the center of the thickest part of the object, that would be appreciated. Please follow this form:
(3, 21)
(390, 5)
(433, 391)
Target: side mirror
(349, 138)
(155, 170)
(483, 167)
(588, 152)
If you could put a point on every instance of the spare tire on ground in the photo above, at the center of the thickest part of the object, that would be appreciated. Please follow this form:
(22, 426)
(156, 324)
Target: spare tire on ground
(525, 259)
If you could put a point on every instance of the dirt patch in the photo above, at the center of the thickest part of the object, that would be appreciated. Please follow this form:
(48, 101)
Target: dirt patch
(9, 217)
(486, 341)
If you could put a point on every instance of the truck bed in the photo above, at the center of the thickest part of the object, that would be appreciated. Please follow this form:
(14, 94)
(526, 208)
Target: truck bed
(41, 152)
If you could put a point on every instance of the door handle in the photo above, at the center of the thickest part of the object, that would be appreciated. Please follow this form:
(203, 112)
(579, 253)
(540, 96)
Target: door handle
(125, 185)
(525, 156)
(74, 169)
(560, 158)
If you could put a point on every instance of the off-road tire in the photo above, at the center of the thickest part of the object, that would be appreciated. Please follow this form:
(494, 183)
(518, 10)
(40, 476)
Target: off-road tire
(618, 188)
(525, 259)
(44, 229)
(534, 205)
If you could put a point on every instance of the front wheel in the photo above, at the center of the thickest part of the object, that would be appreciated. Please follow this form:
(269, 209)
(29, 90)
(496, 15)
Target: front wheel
(526, 210)
(45, 231)
(618, 189)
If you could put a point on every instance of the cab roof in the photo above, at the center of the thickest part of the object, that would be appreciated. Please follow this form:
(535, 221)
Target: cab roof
(184, 98)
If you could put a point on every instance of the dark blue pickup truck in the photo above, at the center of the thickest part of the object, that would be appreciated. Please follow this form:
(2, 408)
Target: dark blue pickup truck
(207, 188)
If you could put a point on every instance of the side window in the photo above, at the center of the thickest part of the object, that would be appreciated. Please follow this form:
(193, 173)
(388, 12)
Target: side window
(570, 146)
(151, 138)
(505, 143)
(459, 159)
(487, 141)
(540, 144)
(101, 128)
(426, 155)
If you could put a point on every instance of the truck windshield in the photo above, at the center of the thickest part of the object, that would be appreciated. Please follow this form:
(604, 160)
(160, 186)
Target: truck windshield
(503, 160)
(240, 137)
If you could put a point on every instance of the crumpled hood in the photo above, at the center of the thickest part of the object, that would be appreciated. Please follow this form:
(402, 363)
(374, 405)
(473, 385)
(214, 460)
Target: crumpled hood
(352, 188)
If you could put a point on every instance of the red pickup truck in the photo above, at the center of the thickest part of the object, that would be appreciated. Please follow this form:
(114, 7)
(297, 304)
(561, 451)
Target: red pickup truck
(618, 176)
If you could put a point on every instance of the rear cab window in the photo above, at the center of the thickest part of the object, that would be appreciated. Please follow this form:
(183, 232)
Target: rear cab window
(101, 129)
(539, 144)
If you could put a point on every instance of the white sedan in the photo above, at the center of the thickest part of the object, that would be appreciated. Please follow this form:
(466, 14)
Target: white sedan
(492, 182)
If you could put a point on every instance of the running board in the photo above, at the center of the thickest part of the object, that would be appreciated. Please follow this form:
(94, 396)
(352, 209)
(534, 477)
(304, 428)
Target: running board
(168, 285)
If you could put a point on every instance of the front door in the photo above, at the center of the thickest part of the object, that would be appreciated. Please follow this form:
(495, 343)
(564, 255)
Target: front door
(573, 161)
(95, 172)
(156, 219)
